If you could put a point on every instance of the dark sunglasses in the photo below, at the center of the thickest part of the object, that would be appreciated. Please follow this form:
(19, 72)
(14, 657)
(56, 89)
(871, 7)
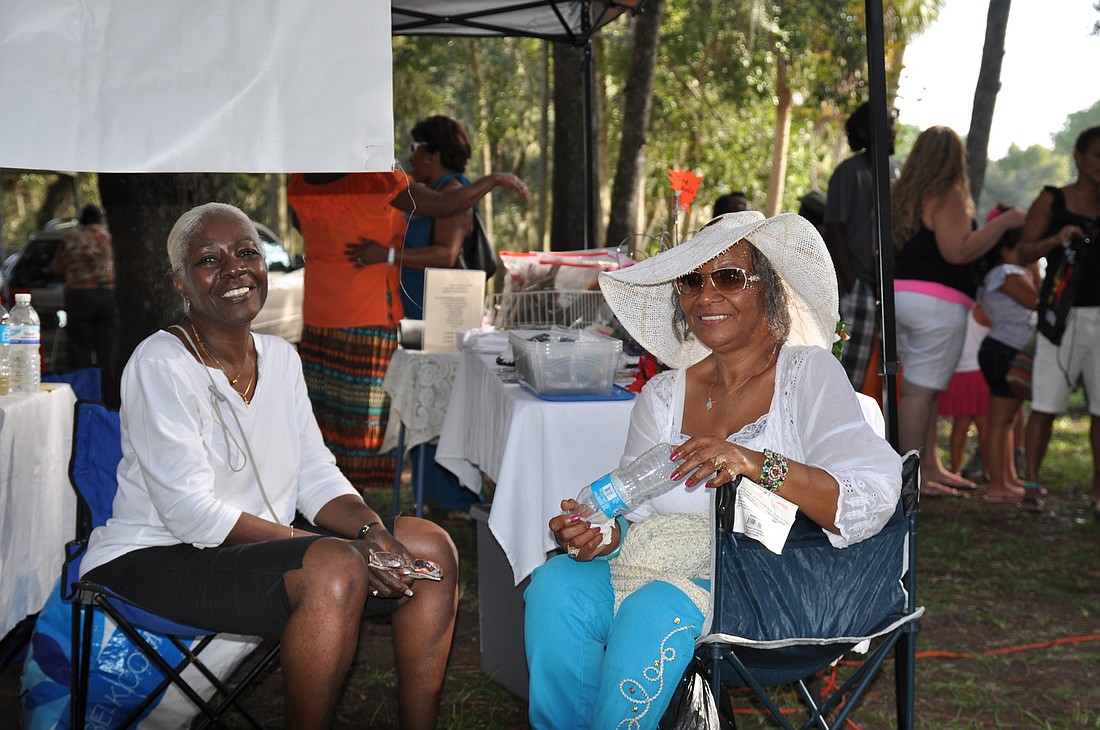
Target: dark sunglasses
(730, 280)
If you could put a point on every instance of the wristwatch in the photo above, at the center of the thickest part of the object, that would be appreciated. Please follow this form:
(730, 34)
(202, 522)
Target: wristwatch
(365, 529)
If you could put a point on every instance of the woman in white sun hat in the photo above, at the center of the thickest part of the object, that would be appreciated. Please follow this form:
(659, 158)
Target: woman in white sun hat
(745, 313)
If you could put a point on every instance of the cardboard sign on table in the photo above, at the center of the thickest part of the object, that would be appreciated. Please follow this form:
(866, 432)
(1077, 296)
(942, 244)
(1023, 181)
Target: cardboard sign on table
(453, 302)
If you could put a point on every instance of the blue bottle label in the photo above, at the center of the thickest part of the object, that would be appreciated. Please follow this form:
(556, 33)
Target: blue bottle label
(23, 334)
(5, 333)
(607, 497)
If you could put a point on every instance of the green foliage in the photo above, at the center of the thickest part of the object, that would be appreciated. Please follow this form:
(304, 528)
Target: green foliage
(1075, 123)
(1017, 178)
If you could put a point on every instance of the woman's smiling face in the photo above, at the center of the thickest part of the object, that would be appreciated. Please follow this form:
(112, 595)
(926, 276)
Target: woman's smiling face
(718, 318)
(224, 274)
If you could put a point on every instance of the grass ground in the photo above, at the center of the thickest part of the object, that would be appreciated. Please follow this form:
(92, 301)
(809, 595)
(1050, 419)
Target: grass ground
(1011, 637)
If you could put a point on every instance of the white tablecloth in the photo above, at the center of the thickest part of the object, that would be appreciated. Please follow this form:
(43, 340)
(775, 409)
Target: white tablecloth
(419, 386)
(538, 452)
(37, 503)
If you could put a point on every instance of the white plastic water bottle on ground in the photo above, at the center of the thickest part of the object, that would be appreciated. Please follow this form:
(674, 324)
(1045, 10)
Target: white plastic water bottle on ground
(648, 476)
(5, 352)
(24, 333)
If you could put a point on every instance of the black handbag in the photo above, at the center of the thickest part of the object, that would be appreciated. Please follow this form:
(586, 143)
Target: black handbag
(477, 252)
(692, 706)
(1061, 285)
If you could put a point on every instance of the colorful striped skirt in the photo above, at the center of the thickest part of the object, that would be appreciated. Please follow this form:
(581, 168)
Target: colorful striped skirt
(344, 368)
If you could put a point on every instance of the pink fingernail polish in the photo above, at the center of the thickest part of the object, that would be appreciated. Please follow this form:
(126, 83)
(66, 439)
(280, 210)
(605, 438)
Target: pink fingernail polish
(574, 519)
(408, 592)
(689, 483)
(598, 529)
(675, 476)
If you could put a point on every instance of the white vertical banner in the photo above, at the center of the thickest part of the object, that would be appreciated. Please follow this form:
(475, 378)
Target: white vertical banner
(196, 85)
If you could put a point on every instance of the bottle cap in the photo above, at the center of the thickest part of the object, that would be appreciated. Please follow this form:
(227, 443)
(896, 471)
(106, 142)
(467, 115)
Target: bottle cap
(23, 298)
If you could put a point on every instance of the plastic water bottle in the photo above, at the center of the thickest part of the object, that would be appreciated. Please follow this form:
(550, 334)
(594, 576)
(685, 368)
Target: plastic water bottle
(5, 353)
(648, 476)
(24, 333)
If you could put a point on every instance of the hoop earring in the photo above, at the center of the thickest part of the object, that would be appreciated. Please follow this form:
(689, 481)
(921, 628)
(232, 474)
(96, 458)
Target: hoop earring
(187, 307)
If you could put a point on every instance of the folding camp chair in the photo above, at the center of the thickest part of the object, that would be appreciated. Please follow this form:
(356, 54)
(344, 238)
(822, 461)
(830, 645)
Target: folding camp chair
(97, 451)
(778, 619)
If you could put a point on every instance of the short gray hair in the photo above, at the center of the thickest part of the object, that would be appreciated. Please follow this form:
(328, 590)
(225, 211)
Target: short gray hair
(183, 232)
(776, 306)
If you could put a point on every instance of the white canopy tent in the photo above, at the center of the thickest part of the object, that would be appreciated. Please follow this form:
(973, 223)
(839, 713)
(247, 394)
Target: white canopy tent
(196, 85)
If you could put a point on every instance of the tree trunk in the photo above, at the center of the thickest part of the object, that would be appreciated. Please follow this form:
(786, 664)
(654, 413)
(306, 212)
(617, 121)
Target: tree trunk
(778, 177)
(570, 173)
(637, 106)
(985, 94)
(482, 103)
(142, 209)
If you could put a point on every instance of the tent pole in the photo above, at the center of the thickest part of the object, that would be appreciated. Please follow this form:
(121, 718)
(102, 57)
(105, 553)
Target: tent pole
(590, 173)
(880, 159)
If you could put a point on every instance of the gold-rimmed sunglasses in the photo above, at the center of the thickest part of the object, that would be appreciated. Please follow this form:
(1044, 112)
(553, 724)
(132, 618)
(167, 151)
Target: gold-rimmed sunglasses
(419, 568)
(729, 280)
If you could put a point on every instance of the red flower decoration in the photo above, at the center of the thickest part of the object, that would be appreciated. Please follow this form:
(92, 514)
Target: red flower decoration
(648, 366)
(685, 184)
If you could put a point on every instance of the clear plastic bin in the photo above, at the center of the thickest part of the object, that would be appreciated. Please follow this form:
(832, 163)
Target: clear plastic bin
(565, 362)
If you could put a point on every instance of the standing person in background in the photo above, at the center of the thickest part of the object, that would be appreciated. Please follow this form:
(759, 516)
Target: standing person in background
(86, 260)
(850, 236)
(438, 155)
(1055, 216)
(935, 285)
(350, 313)
(1010, 296)
(966, 400)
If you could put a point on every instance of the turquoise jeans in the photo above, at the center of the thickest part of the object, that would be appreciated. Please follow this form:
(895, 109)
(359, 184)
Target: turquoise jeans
(593, 668)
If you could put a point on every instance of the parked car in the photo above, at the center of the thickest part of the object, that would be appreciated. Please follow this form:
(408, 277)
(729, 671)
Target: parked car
(28, 270)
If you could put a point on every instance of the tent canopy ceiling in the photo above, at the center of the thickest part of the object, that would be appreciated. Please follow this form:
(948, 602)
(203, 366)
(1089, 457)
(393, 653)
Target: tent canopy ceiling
(568, 21)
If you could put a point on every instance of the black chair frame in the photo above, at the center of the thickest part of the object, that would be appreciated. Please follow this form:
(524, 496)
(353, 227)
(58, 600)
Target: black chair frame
(898, 638)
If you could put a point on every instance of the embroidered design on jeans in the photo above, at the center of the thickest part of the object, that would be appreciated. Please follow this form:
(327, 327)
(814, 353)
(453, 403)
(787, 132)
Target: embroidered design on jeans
(635, 692)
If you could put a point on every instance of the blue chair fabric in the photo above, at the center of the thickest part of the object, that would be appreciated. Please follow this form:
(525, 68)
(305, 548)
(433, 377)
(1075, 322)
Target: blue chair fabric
(778, 619)
(87, 383)
(97, 451)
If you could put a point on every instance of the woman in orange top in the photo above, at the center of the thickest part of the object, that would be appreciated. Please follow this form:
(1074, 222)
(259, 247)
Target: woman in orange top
(350, 313)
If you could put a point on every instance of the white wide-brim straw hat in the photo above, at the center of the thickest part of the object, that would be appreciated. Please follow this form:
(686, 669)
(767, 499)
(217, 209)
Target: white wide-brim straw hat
(642, 295)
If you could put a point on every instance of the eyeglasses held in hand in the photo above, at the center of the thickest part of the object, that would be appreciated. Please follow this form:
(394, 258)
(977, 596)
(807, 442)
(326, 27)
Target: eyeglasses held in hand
(731, 280)
(419, 568)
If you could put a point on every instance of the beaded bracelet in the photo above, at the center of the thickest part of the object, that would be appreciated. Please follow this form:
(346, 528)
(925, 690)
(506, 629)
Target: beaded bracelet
(774, 472)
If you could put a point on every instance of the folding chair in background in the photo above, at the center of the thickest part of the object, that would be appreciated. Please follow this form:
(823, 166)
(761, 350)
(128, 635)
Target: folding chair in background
(97, 451)
(779, 619)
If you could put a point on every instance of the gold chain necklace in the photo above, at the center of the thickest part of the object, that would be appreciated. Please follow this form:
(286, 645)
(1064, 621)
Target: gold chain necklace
(232, 381)
(711, 401)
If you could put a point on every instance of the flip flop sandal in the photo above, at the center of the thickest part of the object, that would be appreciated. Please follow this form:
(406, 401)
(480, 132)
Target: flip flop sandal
(1002, 498)
(1035, 490)
(937, 491)
(957, 481)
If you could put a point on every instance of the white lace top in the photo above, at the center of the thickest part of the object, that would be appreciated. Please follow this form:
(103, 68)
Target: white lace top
(814, 419)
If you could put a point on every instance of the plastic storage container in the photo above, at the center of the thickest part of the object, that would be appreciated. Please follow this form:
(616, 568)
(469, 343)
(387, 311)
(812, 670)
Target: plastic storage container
(567, 362)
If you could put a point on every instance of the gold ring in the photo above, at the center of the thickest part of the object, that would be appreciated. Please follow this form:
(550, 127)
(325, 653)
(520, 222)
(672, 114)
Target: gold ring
(374, 593)
(573, 550)
(719, 464)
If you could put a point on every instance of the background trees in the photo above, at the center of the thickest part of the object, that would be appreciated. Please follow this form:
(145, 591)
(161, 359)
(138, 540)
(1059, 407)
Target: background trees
(752, 94)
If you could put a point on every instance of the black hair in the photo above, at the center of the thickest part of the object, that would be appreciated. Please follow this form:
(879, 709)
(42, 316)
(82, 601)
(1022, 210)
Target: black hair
(724, 203)
(445, 136)
(1085, 139)
(858, 127)
(90, 214)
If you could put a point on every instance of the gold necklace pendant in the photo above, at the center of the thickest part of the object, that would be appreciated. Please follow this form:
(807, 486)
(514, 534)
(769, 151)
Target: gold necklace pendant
(711, 400)
(232, 381)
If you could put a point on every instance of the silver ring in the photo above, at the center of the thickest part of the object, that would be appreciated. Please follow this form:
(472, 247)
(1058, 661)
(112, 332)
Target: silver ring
(573, 550)
(374, 593)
